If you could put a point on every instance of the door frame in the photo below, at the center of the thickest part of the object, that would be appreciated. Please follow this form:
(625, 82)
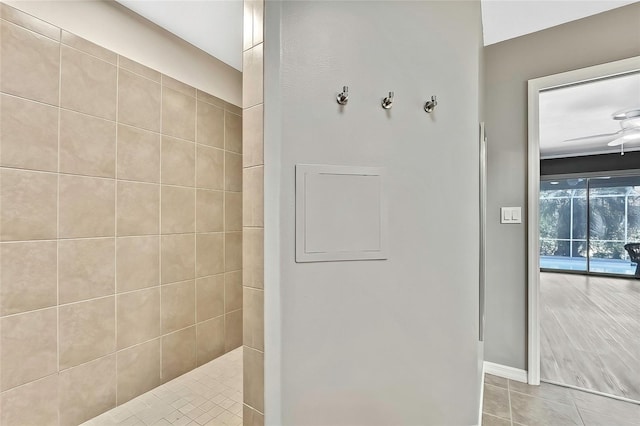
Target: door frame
(535, 86)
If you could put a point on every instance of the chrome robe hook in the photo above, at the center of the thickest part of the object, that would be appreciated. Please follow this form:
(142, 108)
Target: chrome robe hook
(388, 101)
(343, 97)
(431, 105)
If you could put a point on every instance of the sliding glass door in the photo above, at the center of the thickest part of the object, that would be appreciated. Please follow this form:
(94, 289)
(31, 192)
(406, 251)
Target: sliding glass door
(585, 222)
(563, 224)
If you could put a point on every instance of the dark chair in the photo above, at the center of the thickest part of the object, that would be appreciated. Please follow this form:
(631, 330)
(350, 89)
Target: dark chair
(634, 253)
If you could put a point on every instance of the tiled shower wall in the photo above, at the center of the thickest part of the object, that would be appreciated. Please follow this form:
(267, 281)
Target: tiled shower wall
(253, 213)
(120, 226)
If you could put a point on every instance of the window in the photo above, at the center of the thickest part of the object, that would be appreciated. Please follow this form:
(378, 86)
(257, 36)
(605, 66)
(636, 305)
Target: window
(585, 223)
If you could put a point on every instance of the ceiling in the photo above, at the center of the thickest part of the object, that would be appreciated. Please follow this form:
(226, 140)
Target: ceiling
(506, 19)
(585, 110)
(215, 26)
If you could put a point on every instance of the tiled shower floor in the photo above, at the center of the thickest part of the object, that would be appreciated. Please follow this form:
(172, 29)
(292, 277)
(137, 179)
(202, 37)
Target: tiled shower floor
(210, 395)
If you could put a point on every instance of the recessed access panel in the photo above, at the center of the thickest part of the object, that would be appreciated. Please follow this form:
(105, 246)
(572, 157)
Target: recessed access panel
(341, 213)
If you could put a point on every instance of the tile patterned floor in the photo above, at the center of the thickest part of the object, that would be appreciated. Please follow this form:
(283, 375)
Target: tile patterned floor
(210, 395)
(510, 403)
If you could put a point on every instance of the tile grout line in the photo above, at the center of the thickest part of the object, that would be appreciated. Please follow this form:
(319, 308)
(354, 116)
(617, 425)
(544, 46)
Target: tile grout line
(115, 229)
(224, 227)
(509, 396)
(64, 305)
(195, 226)
(58, 225)
(580, 415)
(160, 278)
(19, 25)
(71, 239)
(109, 178)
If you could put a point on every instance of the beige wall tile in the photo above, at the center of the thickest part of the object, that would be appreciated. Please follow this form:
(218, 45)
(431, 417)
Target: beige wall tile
(209, 254)
(232, 251)
(251, 417)
(137, 263)
(138, 101)
(234, 109)
(20, 18)
(258, 18)
(178, 258)
(209, 210)
(253, 257)
(88, 84)
(209, 167)
(28, 347)
(87, 331)
(178, 114)
(232, 132)
(28, 205)
(178, 210)
(35, 403)
(28, 276)
(138, 317)
(138, 208)
(87, 390)
(252, 83)
(86, 46)
(29, 64)
(28, 134)
(253, 197)
(253, 136)
(139, 69)
(210, 297)
(138, 154)
(232, 172)
(87, 145)
(232, 330)
(253, 378)
(178, 306)
(232, 211)
(232, 291)
(178, 353)
(247, 36)
(178, 162)
(178, 86)
(210, 99)
(253, 321)
(210, 338)
(138, 370)
(87, 207)
(210, 125)
(86, 269)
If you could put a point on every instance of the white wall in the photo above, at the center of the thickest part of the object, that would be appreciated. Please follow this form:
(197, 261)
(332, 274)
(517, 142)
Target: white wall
(508, 67)
(375, 342)
(116, 28)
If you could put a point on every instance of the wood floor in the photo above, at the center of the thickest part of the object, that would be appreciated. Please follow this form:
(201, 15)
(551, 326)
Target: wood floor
(590, 332)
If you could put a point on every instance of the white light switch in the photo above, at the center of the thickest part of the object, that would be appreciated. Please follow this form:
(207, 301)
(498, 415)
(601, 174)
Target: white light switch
(506, 214)
(510, 215)
(515, 215)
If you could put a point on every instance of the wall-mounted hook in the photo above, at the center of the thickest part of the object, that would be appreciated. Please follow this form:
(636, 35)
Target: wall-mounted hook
(388, 101)
(431, 105)
(343, 97)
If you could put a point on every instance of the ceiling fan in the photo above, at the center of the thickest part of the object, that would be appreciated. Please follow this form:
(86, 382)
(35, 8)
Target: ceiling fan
(629, 130)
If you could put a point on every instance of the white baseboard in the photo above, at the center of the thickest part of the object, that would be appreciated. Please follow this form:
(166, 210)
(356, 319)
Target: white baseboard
(505, 372)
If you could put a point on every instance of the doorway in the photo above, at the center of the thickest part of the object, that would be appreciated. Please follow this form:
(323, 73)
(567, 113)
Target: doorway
(575, 234)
